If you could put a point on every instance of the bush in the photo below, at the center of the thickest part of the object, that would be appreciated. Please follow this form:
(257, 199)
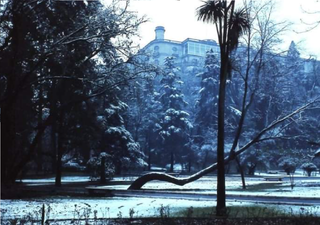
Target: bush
(309, 168)
(73, 166)
(288, 165)
(94, 166)
(316, 161)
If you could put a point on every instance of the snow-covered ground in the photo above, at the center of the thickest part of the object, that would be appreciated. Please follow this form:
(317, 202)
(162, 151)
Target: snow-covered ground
(107, 207)
(304, 187)
(81, 208)
(64, 179)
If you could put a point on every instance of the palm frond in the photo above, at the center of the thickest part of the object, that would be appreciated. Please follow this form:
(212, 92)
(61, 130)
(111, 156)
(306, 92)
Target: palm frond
(211, 10)
(239, 25)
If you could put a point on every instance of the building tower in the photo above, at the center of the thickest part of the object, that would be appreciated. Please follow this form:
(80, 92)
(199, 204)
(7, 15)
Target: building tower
(159, 32)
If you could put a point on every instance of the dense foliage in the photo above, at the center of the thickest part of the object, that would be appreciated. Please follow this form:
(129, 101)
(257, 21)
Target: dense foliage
(62, 67)
(73, 87)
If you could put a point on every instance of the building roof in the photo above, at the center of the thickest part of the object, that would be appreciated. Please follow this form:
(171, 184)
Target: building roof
(162, 40)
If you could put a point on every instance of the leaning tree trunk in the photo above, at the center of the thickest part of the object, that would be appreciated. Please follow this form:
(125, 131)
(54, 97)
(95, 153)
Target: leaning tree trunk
(241, 173)
(138, 183)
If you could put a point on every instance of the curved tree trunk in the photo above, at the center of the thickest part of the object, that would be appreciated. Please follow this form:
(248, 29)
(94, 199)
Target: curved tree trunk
(138, 183)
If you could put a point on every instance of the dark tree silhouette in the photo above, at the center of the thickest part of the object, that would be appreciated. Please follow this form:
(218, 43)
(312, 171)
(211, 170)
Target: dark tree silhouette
(230, 25)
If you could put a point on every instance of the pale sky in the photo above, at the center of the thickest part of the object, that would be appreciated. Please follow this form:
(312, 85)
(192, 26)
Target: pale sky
(180, 22)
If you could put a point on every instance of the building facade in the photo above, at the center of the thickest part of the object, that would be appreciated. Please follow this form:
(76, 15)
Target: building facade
(191, 52)
(188, 52)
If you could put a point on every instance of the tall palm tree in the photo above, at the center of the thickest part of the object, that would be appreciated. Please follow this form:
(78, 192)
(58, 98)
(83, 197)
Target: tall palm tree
(230, 25)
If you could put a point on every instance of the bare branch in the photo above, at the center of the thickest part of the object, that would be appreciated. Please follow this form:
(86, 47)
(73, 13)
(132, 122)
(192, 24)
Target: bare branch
(257, 138)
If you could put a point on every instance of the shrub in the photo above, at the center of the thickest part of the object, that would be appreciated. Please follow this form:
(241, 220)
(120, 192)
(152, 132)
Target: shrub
(94, 165)
(309, 168)
(288, 165)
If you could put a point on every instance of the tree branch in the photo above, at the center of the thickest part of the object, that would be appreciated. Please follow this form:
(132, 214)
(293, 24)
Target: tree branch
(138, 183)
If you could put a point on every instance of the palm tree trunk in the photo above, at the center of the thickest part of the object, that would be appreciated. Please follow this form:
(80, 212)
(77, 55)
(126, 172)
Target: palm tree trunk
(221, 187)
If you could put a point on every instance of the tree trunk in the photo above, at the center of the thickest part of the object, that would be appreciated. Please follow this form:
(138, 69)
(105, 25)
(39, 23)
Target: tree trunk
(118, 167)
(39, 148)
(8, 106)
(138, 183)
(251, 169)
(53, 111)
(221, 186)
(309, 173)
(288, 172)
(147, 149)
(54, 148)
(103, 170)
(149, 159)
(241, 173)
(58, 165)
(204, 165)
(60, 151)
(171, 162)
(8, 134)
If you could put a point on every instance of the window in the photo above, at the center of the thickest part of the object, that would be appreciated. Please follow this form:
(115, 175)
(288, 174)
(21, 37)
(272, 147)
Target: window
(197, 49)
(200, 49)
(191, 48)
(208, 48)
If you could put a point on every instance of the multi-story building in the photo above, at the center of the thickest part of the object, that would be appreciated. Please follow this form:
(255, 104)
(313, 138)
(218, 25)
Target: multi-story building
(192, 51)
(188, 52)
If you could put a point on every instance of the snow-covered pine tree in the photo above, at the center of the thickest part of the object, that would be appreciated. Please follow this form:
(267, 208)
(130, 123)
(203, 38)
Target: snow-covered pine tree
(173, 126)
(206, 117)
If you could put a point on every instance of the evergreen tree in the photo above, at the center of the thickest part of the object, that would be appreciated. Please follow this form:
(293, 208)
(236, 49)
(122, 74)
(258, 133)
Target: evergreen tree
(207, 103)
(55, 57)
(143, 114)
(174, 124)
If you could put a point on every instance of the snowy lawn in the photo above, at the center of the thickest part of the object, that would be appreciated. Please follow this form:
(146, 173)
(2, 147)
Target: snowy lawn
(64, 179)
(256, 186)
(82, 208)
(115, 207)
